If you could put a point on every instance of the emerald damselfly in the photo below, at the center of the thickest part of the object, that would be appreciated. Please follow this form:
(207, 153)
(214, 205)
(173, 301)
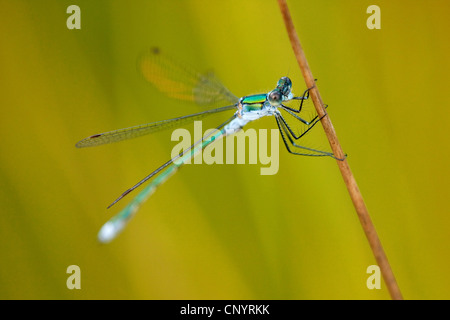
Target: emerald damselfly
(178, 81)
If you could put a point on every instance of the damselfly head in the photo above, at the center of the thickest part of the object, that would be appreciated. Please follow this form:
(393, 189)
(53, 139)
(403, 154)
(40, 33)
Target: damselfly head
(284, 85)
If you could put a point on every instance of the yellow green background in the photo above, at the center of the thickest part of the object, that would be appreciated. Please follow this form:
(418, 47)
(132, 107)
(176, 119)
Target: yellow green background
(224, 231)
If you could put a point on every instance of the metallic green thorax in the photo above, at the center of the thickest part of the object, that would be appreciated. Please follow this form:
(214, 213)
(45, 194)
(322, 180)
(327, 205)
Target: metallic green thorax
(253, 102)
(254, 99)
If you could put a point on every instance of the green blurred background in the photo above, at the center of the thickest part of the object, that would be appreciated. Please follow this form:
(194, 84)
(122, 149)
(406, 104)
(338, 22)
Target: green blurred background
(224, 231)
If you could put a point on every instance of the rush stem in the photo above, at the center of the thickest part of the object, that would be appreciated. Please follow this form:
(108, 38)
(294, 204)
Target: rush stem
(349, 179)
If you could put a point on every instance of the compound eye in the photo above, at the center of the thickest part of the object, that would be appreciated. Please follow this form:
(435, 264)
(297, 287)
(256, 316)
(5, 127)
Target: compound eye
(286, 81)
(285, 85)
(275, 98)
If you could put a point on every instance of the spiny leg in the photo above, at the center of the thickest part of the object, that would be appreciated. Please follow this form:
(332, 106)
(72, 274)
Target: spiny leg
(283, 107)
(285, 133)
(305, 96)
(301, 119)
(310, 124)
(313, 122)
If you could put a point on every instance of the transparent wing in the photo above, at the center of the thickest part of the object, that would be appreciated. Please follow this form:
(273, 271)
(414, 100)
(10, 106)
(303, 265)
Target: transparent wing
(137, 131)
(179, 81)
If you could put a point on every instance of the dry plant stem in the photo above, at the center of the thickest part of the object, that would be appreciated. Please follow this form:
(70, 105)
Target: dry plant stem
(349, 179)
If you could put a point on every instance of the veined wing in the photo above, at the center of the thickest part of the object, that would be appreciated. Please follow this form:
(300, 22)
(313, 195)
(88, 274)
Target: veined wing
(140, 130)
(179, 81)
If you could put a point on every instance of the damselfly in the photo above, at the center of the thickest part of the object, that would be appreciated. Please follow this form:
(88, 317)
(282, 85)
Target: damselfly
(178, 81)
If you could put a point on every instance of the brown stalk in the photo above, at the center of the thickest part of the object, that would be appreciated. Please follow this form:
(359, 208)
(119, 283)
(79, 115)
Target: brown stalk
(349, 179)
